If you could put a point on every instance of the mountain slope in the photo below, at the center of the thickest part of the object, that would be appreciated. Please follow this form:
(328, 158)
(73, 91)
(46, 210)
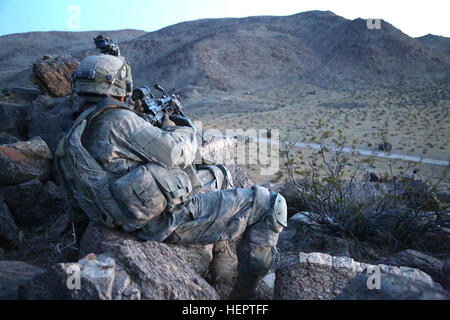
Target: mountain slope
(437, 42)
(18, 51)
(253, 53)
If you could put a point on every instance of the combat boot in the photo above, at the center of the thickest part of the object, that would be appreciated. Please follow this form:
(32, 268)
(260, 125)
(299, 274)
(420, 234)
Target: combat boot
(245, 287)
(224, 263)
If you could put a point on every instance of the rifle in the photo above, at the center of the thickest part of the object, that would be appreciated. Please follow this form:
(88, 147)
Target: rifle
(154, 109)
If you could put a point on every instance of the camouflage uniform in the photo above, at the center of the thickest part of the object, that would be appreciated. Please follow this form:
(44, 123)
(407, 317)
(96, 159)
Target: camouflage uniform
(130, 174)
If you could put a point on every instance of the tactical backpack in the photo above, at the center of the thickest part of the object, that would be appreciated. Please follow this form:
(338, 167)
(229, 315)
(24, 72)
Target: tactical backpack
(129, 201)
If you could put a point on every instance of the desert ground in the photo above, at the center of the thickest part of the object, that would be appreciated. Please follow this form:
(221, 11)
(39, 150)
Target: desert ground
(415, 121)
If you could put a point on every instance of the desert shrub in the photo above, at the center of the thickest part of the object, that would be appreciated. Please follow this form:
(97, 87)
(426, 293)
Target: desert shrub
(398, 211)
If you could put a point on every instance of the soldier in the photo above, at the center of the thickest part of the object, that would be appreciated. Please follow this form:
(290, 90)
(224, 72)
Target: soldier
(128, 174)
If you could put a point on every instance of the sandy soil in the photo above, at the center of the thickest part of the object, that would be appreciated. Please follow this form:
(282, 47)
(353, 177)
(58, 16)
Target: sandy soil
(415, 122)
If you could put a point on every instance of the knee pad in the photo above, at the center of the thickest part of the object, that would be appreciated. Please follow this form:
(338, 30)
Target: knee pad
(277, 218)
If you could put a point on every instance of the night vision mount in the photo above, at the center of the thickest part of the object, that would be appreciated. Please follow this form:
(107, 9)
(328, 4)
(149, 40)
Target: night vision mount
(107, 46)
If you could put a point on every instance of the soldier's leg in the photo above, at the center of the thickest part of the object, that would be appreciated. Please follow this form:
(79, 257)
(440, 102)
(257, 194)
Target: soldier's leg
(256, 214)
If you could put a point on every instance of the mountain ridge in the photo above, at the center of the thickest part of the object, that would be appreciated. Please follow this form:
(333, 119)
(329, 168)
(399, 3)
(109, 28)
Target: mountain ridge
(245, 54)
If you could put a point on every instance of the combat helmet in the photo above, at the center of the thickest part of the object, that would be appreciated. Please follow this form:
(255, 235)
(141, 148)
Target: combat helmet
(103, 75)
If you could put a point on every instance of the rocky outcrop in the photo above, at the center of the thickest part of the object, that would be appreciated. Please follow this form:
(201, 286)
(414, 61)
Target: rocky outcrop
(414, 259)
(321, 276)
(13, 119)
(9, 232)
(132, 270)
(98, 239)
(19, 94)
(12, 275)
(52, 119)
(24, 161)
(392, 287)
(53, 74)
(293, 197)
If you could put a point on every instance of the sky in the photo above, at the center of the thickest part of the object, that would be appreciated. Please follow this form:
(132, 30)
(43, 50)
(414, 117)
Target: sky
(415, 18)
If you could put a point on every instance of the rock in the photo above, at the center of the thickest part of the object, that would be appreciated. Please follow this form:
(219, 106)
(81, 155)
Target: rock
(446, 271)
(98, 238)
(22, 197)
(199, 256)
(12, 275)
(428, 264)
(133, 270)
(37, 150)
(266, 289)
(24, 160)
(16, 167)
(9, 231)
(160, 273)
(373, 177)
(21, 95)
(293, 198)
(32, 203)
(6, 138)
(13, 118)
(53, 75)
(392, 287)
(301, 235)
(91, 278)
(321, 276)
(51, 123)
(385, 146)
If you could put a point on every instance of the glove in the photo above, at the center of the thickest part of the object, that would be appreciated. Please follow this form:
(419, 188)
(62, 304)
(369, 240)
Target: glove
(166, 123)
(181, 121)
(138, 106)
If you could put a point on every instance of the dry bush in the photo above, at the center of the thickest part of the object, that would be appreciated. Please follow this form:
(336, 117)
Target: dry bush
(399, 211)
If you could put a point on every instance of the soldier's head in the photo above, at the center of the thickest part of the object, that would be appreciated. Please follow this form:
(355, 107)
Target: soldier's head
(101, 76)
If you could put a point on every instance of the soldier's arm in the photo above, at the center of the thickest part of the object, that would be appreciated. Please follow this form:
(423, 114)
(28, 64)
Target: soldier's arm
(171, 147)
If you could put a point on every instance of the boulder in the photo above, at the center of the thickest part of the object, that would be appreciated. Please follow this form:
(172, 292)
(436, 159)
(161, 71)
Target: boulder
(98, 238)
(91, 278)
(24, 160)
(32, 203)
(13, 118)
(53, 74)
(132, 270)
(293, 198)
(199, 256)
(37, 150)
(392, 287)
(21, 95)
(160, 273)
(304, 235)
(51, 121)
(16, 167)
(6, 138)
(428, 264)
(12, 275)
(319, 276)
(9, 231)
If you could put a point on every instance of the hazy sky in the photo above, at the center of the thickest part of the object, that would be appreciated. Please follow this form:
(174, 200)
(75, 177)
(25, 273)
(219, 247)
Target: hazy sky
(415, 18)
